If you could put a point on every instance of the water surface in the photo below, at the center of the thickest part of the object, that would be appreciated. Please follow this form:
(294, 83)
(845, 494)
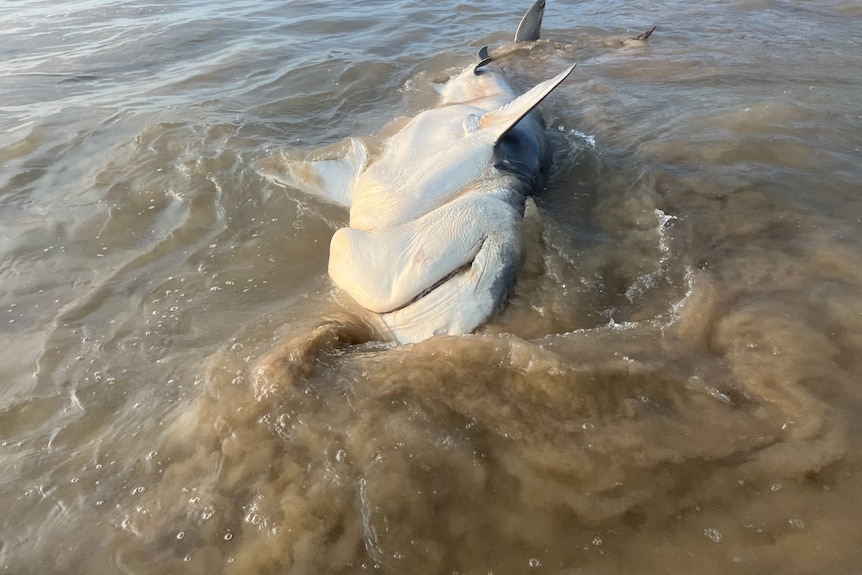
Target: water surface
(672, 387)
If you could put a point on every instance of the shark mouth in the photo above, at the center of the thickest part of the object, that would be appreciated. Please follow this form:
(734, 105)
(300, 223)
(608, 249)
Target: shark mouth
(437, 284)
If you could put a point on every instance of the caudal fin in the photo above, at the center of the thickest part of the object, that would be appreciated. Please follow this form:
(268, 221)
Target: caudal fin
(645, 35)
(530, 28)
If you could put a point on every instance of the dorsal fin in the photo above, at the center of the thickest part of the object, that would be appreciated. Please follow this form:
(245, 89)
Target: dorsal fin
(530, 28)
(492, 125)
(483, 53)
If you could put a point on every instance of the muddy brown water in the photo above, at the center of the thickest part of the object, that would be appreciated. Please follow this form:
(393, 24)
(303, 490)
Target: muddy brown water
(672, 387)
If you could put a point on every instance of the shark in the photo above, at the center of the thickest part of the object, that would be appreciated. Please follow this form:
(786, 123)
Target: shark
(432, 245)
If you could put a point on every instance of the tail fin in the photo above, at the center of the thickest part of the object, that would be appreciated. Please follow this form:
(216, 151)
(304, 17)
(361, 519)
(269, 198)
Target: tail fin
(530, 27)
(645, 35)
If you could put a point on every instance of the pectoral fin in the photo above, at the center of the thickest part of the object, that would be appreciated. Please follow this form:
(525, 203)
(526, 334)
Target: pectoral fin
(495, 123)
(331, 179)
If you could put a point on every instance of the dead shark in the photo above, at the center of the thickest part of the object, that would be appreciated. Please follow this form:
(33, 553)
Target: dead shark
(432, 246)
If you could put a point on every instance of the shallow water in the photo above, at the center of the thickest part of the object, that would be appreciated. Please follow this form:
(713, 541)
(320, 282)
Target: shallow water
(673, 386)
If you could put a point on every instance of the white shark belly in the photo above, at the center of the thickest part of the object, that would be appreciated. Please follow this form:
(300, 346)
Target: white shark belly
(422, 167)
(385, 268)
(463, 302)
(432, 245)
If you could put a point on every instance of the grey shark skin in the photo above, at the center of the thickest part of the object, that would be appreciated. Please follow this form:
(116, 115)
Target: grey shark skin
(432, 245)
(529, 30)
